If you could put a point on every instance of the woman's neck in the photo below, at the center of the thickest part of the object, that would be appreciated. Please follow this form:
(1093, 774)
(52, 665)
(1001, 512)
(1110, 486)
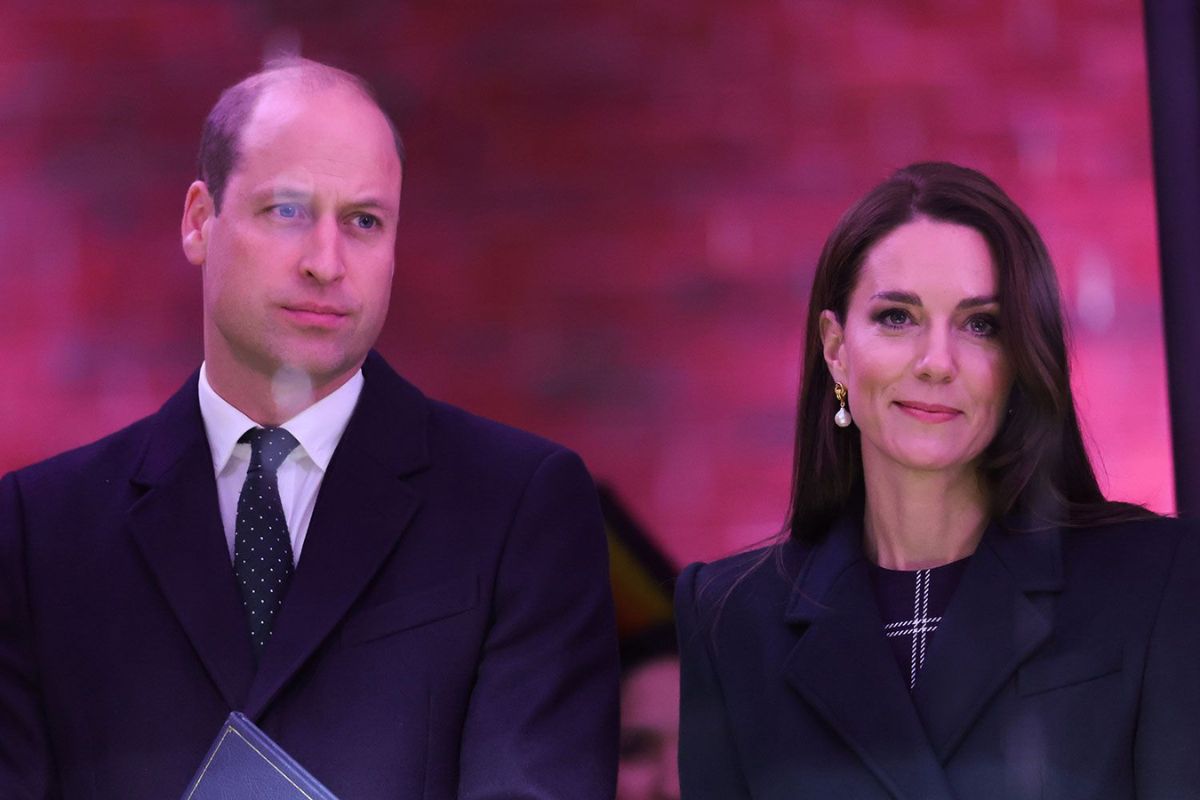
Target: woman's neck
(918, 520)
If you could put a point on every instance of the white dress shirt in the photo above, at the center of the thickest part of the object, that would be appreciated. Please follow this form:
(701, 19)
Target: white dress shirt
(317, 428)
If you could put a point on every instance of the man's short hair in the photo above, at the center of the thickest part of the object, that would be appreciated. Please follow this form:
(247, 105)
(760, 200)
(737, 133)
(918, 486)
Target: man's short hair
(221, 137)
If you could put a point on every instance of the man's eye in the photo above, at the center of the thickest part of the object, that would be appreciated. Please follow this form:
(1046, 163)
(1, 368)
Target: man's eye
(287, 210)
(366, 222)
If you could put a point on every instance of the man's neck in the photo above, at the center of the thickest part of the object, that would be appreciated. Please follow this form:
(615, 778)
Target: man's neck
(272, 401)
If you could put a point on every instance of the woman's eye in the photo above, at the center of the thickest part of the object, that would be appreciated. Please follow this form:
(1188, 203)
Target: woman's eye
(982, 325)
(893, 317)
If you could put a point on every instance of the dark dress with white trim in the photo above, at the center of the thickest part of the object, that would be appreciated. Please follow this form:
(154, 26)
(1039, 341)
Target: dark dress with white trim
(911, 603)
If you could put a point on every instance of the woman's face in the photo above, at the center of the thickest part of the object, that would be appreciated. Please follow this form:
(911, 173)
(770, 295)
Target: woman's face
(919, 352)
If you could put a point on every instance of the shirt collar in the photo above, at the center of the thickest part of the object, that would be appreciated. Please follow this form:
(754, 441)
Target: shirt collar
(317, 428)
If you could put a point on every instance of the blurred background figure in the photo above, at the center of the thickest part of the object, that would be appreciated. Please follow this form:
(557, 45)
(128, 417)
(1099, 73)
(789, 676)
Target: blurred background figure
(649, 751)
(643, 580)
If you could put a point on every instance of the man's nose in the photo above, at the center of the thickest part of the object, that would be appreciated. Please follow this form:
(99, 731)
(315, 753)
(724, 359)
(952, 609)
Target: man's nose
(322, 260)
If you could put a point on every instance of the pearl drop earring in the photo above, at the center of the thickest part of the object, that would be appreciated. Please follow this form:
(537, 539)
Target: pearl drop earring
(842, 417)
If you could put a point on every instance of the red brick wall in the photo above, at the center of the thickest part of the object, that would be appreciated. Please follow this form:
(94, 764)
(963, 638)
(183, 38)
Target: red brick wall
(611, 213)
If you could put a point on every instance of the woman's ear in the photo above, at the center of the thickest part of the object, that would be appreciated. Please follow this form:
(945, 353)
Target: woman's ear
(832, 339)
(198, 211)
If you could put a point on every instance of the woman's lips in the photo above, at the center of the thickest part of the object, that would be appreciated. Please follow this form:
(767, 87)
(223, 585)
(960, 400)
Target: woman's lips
(927, 412)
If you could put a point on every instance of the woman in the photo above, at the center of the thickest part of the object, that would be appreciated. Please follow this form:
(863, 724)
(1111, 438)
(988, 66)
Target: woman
(955, 610)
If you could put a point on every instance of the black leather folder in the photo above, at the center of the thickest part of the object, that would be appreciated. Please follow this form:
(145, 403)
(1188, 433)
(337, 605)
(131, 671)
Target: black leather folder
(244, 762)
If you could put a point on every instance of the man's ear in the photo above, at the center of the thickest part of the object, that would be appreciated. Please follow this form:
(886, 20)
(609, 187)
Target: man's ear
(198, 212)
(832, 338)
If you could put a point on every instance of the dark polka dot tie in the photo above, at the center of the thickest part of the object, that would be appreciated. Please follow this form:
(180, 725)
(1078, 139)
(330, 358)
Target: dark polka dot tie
(262, 548)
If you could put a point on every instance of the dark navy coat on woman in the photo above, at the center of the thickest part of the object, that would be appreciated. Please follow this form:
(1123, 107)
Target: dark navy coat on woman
(1067, 665)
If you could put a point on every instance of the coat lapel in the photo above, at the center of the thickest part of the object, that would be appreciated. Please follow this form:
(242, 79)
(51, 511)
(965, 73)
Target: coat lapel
(843, 667)
(362, 509)
(177, 526)
(990, 628)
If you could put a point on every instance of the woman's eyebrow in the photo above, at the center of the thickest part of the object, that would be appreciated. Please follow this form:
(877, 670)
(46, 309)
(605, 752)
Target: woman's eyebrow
(982, 300)
(908, 298)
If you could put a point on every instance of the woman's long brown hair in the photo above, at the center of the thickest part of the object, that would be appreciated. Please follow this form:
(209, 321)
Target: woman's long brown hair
(1036, 469)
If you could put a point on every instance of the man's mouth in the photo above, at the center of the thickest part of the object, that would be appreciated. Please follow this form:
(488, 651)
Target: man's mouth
(316, 315)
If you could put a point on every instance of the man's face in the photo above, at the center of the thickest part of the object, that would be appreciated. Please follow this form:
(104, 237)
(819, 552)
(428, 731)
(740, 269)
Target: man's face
(298, 264)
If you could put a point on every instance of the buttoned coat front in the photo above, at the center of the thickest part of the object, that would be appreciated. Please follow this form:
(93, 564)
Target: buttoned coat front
(1067, 665)
(448, 631)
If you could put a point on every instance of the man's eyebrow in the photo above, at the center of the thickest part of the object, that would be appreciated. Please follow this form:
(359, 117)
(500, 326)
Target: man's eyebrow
(275, 192)
(371, 202)
(296, 193)
(910, 299)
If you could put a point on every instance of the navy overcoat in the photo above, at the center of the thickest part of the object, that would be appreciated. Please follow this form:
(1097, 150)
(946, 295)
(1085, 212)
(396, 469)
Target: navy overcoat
(448, 632)
(1066, 666)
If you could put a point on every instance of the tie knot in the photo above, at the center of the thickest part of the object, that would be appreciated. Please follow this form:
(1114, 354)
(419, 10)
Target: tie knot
(268, 447)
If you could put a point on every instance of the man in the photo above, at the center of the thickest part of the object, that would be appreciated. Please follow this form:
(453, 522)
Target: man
(410, 600)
